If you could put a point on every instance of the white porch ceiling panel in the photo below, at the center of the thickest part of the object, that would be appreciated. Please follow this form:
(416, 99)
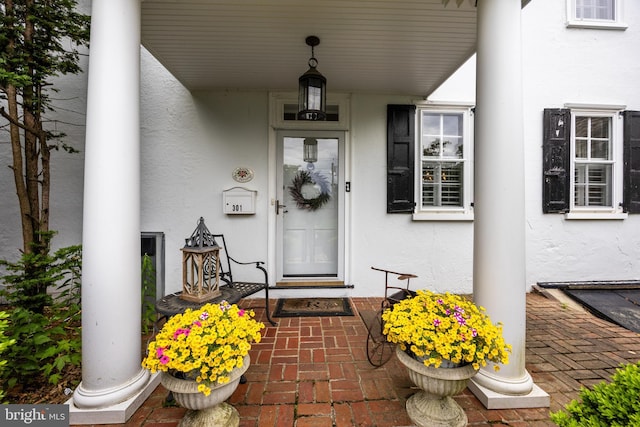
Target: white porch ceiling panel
(385, 46)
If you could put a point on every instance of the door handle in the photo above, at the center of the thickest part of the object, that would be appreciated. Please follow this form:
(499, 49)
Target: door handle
(278, 206)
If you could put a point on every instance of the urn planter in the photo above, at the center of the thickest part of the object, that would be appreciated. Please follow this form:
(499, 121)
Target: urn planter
(204, 410)
(434, 406)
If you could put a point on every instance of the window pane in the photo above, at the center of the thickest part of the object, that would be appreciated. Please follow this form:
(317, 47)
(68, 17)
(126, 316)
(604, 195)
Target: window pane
(431, 124)
(582, 127)
(592, 185)
(593, 139)
(595, 9)
(581, 149)
(442, 183)
(452, 147)
(429, 185)
(600, 127)
(600, 150)
(442, 135)
(443, 159)
(451, 177)
(452, 124)
(431, 147)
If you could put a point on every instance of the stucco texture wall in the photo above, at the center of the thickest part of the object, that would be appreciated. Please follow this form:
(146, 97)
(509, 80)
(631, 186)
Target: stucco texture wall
(569, 66)
(573, 65)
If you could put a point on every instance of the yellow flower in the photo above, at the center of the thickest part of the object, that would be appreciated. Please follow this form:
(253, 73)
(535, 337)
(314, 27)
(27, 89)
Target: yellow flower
(209, 343)
(445, 327)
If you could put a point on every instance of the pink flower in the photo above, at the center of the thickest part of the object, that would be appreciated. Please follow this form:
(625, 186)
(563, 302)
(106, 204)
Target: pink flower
(436, 322)
(461, 320)
(164, 360)
(160, 352)
(241, 312)
(181, 331)
(197, 323)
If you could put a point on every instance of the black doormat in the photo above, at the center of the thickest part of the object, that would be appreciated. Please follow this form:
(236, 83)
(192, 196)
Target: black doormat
(616, 302)
(311, 307)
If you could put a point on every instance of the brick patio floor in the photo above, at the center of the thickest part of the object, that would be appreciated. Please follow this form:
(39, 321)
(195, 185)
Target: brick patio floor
(313, 372)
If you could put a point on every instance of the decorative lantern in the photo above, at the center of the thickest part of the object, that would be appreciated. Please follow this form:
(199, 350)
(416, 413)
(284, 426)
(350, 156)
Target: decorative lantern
(200, 266)
(312, 92)
(310, 148)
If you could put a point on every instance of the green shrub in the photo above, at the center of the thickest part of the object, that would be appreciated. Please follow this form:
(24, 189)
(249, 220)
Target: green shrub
(43, 347)
(46, 342)
(5, 343)
(30, 279)
(148, 294)
(614, 404)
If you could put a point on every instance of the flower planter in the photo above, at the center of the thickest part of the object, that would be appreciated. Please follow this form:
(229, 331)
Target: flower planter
(206, 410)
(434, 406)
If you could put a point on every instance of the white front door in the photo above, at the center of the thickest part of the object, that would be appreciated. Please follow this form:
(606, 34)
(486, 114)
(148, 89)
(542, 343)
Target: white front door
(310, 216)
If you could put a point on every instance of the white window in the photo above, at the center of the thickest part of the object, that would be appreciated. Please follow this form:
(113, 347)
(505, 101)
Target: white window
(595, 14)
(596, 9)
(596, 162)
(444, 164)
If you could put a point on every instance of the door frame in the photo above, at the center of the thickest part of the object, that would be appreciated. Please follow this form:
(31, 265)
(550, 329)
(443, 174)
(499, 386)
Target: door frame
(277, 103)
(320, 134)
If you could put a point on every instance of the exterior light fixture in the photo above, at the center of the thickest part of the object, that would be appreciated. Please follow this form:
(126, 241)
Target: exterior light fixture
(200, 266)
(310, 147)
(312, 92)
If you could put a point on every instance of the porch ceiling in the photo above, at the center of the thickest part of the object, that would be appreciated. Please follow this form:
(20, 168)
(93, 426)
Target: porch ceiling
(384, 46)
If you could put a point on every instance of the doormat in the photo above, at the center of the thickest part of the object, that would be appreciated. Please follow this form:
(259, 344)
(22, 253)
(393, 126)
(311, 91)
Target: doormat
(311, 307)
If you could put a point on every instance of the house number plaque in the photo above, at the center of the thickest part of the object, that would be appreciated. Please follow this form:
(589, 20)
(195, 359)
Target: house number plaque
(239, 201)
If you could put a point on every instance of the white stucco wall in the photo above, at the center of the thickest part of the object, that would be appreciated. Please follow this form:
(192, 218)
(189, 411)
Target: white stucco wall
(192, 142)
(440, 253)
(190, 146)
(575, 66)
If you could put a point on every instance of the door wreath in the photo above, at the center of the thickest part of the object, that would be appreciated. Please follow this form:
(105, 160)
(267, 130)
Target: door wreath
(303, 178)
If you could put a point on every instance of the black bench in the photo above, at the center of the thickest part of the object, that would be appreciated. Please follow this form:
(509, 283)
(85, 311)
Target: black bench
(232, 290)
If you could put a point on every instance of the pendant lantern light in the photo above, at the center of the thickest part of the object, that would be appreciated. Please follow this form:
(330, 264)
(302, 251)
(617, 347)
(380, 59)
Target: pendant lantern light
(312, 93)
(310, 150)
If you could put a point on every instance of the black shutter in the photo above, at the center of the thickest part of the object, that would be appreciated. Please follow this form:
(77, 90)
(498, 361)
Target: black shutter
(400, 158)
(556, 154)
(631, 153)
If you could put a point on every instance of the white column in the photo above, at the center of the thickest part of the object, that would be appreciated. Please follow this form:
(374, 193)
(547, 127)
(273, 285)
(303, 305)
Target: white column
(111, 313)
(499, 207)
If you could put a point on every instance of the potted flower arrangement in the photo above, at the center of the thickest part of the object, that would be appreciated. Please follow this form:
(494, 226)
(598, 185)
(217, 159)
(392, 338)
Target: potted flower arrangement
(436, 331)
(445, 328)
(207, 345)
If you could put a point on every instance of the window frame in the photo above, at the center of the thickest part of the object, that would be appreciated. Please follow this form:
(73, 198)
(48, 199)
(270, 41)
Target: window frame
(617, 23)
(615, 210)
(446, 213)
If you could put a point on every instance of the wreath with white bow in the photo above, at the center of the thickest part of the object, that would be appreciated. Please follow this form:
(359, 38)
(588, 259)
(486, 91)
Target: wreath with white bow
(303, 178)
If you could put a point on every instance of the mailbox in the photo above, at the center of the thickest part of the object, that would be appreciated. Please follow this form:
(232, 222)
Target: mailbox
(239, 201)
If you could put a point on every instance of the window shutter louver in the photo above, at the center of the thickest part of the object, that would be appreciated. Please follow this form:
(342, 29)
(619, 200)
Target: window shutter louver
(400, 158)
(556, 157)
(631, 153)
